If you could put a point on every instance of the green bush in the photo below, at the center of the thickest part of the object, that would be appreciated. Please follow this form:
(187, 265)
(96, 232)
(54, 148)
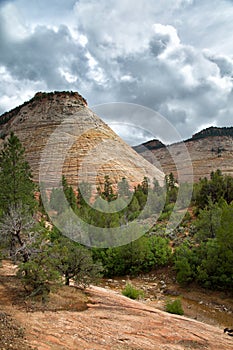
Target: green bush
(131, 292)
(174, 307)
(39, 275)
(164, 216)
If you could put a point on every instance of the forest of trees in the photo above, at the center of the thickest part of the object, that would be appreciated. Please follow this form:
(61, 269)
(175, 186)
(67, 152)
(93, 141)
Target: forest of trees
(199, 250)
(206, 256)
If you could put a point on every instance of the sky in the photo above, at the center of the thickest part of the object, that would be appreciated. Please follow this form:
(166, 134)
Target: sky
(174, 57)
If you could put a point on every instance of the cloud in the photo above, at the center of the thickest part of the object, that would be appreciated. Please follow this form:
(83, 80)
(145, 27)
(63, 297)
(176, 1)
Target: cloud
(151, 63)
(39, 57)
(178, 81)
(13, 92)
(170, 56)
(224, 63)
(132, 134)
(12, 24)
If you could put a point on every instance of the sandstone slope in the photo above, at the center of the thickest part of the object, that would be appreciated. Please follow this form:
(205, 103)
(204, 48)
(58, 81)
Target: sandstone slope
(207, 153)
(62, 135)
(113, 321)
(110, 321)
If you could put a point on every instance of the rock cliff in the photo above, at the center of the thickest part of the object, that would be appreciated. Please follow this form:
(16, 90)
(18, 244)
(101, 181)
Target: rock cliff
(62, 135)
(209, 150)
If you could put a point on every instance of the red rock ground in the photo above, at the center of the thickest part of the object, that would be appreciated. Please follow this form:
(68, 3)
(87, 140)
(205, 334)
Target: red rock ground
(110, 321)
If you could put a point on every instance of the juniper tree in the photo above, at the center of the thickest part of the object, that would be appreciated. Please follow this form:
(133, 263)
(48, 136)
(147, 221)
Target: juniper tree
(57, 197)
(108, 193)
(75, 262)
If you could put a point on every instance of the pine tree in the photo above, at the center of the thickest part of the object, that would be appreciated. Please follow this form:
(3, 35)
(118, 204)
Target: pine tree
(17, 200)
(17, 187)
(145, 185)
(84, 194)
(69, 193)
(123, 188)
(108, 193)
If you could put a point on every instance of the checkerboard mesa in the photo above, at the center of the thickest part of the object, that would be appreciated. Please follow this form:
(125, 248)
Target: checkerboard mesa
(56, 117)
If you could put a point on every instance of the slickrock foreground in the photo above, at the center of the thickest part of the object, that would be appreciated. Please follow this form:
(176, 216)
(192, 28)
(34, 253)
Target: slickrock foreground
(109, 321)
(113, 321)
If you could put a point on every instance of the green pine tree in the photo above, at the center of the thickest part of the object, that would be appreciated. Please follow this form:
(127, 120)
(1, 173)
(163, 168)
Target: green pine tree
(108, 193)
(17, 187)
(69, 193)
(123, 188)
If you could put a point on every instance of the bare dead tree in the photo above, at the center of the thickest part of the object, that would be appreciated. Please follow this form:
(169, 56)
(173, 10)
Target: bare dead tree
(16, 232)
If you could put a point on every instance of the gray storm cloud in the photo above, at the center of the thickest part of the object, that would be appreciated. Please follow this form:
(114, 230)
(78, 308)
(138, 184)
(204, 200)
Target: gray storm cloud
(173, 56)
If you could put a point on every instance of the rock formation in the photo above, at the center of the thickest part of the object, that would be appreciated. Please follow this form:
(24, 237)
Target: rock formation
(62, 135)
(110, 321)
(209, 150)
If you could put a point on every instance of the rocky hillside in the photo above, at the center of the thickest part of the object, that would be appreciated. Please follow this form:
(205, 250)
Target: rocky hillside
(209, 150)
(62, 135)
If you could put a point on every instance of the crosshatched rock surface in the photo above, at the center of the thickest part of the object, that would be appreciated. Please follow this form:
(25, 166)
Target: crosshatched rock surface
(87, 148)
(207, 153)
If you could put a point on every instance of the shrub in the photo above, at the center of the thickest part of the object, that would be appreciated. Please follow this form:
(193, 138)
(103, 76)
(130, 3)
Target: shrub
(164, 216)
(131, 292)
(174, 307)
(39, 275)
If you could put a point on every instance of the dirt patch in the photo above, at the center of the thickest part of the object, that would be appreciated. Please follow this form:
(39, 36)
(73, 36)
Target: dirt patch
(12, 335)
(12, 293)
(66, 298)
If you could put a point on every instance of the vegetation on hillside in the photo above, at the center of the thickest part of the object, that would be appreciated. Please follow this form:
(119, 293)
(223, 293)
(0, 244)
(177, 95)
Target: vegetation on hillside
(207, 258)
(174, 307)
(199, 250)
(213, 131)
(45, 258)
(131, 292)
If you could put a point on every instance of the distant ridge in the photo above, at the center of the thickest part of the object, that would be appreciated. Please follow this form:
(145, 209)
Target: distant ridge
(213, 131)
(208, 132)
(150, 145)
(209, 150)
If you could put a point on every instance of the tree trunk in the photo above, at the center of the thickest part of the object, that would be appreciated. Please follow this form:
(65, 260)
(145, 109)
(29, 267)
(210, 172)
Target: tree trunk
(24, 253)
(67, 282)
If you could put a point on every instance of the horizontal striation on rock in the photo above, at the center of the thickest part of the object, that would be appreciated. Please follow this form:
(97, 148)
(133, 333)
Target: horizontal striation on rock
(61, 135)
(207, 154)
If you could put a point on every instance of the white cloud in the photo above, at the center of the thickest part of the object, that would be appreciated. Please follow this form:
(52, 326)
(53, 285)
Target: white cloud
(12, 23)
(70, 78)
(13, 92)
(132, 134)
(116, 27)
(188, 75)
(95, 71)
(168, 35)
(224, 84)
(127, 78)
